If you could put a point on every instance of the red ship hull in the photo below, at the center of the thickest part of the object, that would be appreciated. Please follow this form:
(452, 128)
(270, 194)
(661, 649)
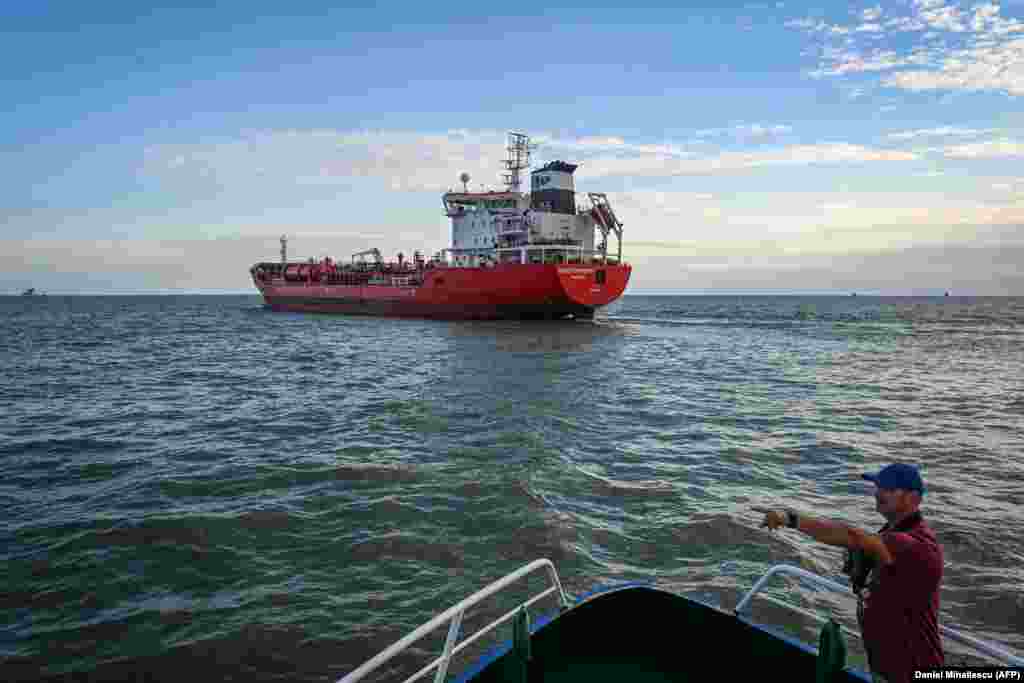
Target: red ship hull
(546, 291)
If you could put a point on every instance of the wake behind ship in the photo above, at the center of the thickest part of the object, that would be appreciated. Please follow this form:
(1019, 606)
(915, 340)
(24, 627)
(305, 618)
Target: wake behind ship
(512, 255)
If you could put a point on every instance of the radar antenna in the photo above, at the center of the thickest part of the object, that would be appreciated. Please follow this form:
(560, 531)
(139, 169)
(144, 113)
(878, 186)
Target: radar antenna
(518, 159)
(465, 181)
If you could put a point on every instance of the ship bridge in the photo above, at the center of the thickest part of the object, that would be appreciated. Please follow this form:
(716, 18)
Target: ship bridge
(458, 203)
(478, 218)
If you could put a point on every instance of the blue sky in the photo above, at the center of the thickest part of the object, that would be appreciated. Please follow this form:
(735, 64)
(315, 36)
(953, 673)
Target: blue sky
(776, 146)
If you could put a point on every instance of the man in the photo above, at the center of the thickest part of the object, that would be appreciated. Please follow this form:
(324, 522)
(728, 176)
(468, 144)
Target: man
(899, 604)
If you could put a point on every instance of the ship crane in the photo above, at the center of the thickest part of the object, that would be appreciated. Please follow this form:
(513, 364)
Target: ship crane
(375, 253)
(606, 221)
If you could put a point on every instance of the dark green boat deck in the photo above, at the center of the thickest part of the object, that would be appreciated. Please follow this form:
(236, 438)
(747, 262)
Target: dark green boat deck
(603, 668)
(641, 635)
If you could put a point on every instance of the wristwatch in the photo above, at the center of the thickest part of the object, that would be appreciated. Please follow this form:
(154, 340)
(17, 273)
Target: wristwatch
(792, 521)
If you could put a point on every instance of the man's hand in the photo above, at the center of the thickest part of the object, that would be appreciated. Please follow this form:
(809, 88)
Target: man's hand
(773, 519)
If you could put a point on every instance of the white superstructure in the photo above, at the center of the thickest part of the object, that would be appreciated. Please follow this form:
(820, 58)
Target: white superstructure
(544, 226)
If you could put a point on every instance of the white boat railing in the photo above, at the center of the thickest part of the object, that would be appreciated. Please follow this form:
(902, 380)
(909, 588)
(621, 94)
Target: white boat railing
(453, 617)
(993, 652)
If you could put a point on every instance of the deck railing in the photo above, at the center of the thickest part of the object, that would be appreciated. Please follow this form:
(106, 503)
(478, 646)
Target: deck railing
(993, 652)
(453, 617)
(567, 253)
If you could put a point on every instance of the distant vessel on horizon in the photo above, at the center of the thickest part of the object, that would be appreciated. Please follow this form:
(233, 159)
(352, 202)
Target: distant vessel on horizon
(31, 291)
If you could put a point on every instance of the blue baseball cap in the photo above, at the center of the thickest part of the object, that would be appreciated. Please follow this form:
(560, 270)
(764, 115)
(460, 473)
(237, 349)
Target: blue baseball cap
(898, 476)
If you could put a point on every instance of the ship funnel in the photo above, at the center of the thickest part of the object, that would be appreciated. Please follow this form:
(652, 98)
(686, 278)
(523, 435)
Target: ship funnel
(552, 188)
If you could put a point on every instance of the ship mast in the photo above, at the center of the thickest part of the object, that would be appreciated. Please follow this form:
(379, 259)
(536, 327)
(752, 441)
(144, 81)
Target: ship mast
(518, 159)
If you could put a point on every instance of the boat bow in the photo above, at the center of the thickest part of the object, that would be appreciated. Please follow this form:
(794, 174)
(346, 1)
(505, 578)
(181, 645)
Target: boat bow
(640, 632)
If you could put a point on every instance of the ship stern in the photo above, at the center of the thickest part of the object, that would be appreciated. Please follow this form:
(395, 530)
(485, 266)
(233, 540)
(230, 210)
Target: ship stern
(593, 286)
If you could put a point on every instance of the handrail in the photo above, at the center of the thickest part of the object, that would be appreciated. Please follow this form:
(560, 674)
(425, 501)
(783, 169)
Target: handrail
(995, 652)
(454, 614)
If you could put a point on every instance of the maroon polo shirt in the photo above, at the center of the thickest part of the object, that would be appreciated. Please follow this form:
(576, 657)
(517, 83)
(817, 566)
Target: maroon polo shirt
(899, 622)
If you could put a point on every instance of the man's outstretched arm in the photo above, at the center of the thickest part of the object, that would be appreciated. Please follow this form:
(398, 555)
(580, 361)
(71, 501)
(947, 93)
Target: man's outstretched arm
(831, 533)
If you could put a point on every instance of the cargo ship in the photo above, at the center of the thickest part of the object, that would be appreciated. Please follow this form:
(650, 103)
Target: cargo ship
(513, 255)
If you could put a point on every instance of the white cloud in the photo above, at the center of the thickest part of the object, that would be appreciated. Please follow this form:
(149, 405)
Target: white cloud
(840, 62)
(265, 164)
(991, 149)
(746, 232)
(868, 28)
(757, 130)
(792, 155)
(402, 161)
(954, 49)
(928, 270)
(809, 25)
(550, 145)
(996, 67)
(871, 13)
(943, 18)
(598, 142)
(834, 222)
(906, 24)
(746, 130)
(942, 131)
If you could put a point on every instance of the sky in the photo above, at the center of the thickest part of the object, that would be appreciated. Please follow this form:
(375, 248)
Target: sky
(746, 147)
